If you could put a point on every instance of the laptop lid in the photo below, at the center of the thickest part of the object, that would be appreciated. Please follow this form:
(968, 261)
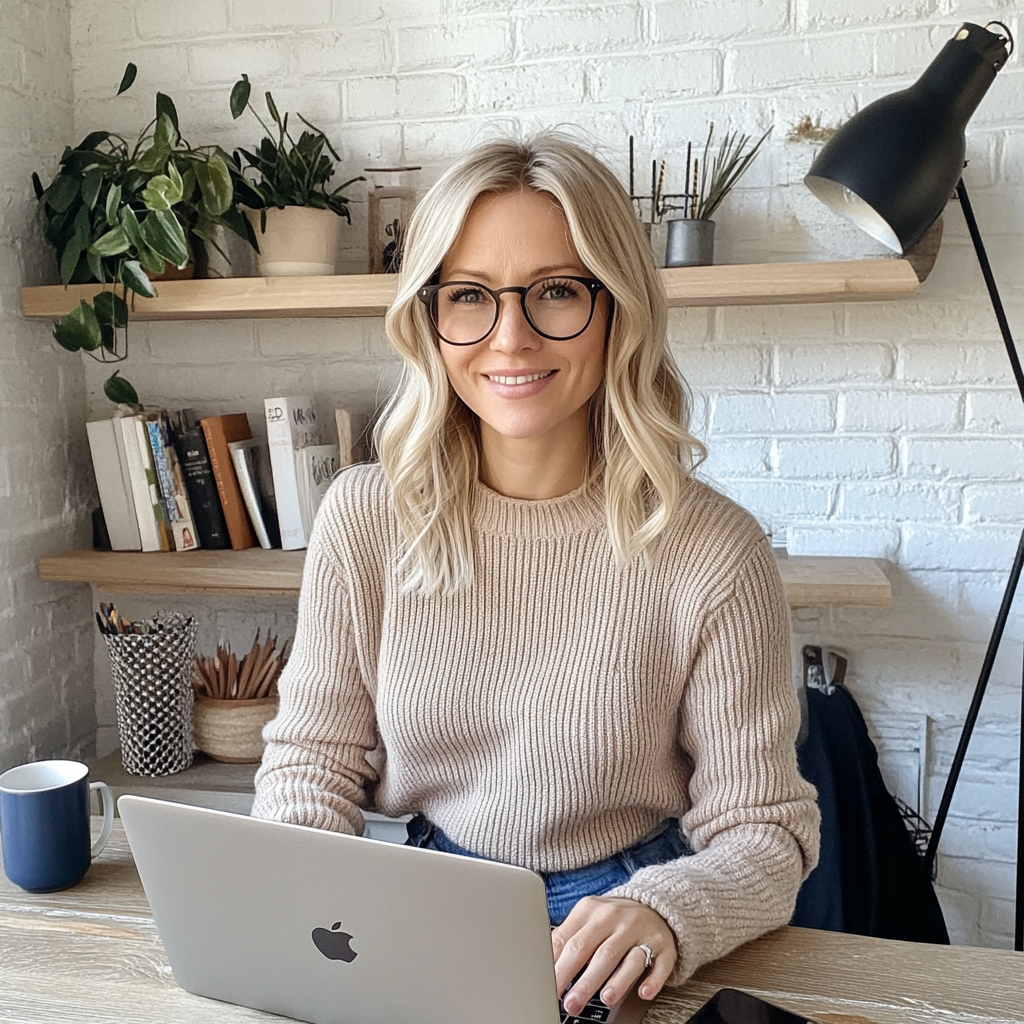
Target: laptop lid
(338, 929)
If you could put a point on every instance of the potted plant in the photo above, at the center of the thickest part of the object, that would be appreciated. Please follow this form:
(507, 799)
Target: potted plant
(118, 213)
(691, 238)
(294, 213)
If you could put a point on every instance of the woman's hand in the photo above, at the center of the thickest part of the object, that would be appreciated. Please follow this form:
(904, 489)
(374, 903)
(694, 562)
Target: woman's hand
(602, 934)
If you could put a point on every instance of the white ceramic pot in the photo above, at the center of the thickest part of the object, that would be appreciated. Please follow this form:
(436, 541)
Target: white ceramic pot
(300, 241)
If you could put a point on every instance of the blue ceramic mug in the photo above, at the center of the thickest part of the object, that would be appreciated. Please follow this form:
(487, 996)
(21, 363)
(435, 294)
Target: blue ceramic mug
(44, 824)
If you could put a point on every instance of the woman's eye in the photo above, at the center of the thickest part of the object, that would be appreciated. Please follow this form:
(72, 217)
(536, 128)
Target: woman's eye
(559, 290)
(466, 296)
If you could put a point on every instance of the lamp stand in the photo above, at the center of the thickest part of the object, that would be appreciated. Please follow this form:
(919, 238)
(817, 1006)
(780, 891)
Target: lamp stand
(1001, 617)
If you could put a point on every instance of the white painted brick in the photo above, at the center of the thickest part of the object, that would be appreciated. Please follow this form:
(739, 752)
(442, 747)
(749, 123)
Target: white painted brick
(816, 58)
(899, 500)
(202, 341)
(844, 539)
(994, 412)
(866, 12)
(772, 414)
(254, 15)
(587, 29)
(899, 411)
(477, 42)
(817, 323)
(223, 61)
(962, 458)
(994, 503)
(839, 458)
(717, 19)
(779, 501)
(346, 336)
(977, 548)
(668, 75)
(729, 457)
(338, 54)
(410, 96)
(819, 365)
(523, 86)
(155, 19)
(710, 366)
(940, 363)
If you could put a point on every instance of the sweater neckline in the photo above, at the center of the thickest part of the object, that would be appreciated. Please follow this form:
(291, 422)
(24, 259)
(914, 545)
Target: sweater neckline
(579, 511)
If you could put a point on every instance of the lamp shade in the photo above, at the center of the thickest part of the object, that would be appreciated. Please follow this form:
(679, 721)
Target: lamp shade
(892, 167)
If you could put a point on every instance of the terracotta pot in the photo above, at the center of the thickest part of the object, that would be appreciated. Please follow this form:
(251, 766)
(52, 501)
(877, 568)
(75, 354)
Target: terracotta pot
(229, 730)
(172, 273)
(300, 241)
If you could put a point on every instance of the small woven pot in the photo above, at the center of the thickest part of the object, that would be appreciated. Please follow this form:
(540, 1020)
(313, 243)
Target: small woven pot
(229, 730)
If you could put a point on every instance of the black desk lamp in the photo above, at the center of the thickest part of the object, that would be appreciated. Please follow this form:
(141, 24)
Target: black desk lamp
(891, 170)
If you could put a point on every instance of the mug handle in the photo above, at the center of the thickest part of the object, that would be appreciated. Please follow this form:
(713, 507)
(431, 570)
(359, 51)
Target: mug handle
(108, 816)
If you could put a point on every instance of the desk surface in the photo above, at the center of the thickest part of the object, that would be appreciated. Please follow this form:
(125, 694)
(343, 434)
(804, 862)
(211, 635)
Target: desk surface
(92, 955)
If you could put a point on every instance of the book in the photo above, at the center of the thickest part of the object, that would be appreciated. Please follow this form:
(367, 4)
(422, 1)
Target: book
(352, 436)
(171, 481)
(219, 431)
(110, 463)
(316, 468)
(194, 459)
(291, 425)
(149, 513)
(256, 481)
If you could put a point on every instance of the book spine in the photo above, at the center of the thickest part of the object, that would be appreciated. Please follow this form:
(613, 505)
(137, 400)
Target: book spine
(152, 487)
(282, 416)
(247, 485)
(148, 531)
(163, 473)
(115, 492)
(202, 489)
(235, 516)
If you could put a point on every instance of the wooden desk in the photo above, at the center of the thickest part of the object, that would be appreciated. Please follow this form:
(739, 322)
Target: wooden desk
(91, 955)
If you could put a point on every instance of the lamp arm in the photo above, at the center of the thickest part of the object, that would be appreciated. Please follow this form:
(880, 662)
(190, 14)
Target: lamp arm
(990, 283)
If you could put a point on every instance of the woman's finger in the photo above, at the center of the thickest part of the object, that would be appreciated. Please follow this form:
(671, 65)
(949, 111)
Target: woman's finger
(658, 973)
(602, 964)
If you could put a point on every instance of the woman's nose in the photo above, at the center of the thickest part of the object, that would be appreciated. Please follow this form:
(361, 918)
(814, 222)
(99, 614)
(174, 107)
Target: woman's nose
(512, 332)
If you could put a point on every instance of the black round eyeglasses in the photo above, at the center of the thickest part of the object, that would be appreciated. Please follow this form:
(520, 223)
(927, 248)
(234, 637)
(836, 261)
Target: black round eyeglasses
(557, 308)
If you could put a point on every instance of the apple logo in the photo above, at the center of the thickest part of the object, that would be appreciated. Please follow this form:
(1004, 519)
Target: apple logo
(334, 944)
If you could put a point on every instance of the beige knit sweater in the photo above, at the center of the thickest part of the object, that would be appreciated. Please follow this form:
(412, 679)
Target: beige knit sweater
(563, 706)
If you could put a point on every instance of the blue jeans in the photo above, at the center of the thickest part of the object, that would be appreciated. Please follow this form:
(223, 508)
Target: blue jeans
(566, 888)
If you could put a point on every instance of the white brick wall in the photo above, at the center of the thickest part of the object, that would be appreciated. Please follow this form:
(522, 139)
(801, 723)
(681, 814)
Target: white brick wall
(887, 429)
(47, 705)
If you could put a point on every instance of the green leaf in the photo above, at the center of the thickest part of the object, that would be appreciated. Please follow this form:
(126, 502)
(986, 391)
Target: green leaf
(127, 78)
(166, 134)
(111, 310)
(83, 228)
(130, 226)
(152, 160)
(134, 277)
(165, 236)
(272, 107)
(63, 191)
(163, 191)
(95, 265)
(69, 260)
(37, 186)
(240, 96)
(165, 105)
(113, 202)
(91, 186)
(151, 263)
(79, 329)
(113, 243)
(119, 391)
(215, 182)
(93, 139)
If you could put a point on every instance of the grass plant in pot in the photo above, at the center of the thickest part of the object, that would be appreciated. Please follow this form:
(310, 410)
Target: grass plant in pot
(294, 214)
(120, 213)
(690, 239)
(235, 699)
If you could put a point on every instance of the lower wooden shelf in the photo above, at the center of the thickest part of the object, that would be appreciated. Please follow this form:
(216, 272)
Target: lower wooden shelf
(810, 581)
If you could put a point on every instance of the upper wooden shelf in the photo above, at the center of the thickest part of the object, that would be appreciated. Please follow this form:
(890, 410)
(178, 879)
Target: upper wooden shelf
(371, 294)
(810, 582)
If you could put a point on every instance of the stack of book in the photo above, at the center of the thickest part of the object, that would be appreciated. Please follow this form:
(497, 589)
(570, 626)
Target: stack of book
(172, 482)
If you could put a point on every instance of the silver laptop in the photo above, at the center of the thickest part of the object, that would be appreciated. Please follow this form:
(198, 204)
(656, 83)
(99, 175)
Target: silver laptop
(338, 929)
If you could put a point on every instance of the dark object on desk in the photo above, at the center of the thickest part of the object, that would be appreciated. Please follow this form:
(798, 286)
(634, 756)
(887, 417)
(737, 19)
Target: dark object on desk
(870, 878)
(731, 1006)
(890, 169)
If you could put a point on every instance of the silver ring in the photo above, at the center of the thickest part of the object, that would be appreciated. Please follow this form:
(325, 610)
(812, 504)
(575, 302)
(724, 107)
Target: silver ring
(648, 954)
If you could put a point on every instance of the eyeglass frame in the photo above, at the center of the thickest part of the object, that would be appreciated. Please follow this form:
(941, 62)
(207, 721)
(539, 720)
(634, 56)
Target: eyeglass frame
(428, 294)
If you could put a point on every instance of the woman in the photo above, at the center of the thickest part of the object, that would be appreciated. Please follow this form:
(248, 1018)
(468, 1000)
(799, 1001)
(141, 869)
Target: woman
(529, 625)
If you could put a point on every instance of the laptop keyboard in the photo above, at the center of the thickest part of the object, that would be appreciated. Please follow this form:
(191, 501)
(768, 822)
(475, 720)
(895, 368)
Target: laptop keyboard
(594, 1010)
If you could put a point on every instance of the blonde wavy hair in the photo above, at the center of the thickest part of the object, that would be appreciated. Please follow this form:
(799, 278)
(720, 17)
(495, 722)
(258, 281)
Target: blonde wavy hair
(428, 439)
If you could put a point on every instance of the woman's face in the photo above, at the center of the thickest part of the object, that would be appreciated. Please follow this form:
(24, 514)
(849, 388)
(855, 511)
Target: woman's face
(514, 239)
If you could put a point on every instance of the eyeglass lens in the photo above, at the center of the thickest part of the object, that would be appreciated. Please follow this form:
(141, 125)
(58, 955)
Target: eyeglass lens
(465, 313)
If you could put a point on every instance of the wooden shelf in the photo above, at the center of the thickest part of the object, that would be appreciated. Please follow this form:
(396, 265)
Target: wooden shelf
(370, 294)
(810, 582)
